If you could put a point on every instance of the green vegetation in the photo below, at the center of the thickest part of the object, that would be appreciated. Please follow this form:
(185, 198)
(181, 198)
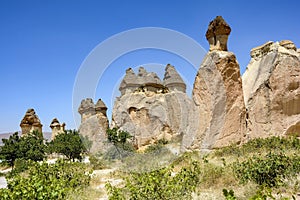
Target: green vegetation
(69, 144)
(270, 170)
(119, 139)
(260, 145)
(47, 181)
(29, 147)
(163, 183)
(258, 170)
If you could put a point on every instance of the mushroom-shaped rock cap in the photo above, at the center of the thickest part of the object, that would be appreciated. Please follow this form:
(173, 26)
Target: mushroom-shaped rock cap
(100, 105)
(217, 34)
(54, 123)
(86, 104)
(217, 27)
(30, 118)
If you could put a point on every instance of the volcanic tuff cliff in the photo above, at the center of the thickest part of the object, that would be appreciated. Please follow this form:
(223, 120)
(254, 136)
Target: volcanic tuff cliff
(272, 90)
(151, 109)
(224, 108)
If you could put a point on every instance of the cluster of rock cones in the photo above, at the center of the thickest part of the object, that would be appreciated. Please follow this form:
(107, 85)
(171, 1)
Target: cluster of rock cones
(225, 108)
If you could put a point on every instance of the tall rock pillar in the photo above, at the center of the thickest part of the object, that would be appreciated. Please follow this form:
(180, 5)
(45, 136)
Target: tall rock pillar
(94, 123)
(218, 94)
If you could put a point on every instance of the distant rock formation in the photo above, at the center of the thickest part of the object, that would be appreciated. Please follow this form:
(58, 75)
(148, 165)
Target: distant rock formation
(217, 34)
(151, 109)
(56, 128)
(94, 123)
(30, 122)
(271, 86)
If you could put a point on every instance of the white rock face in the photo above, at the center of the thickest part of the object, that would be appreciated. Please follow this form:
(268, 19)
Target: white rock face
(218, 96)
(271, 87)
(153, 113)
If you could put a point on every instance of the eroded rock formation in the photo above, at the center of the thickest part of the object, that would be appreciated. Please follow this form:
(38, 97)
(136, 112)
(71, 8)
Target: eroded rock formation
(224, 108)
(94, 123)
(271, 86)
(217, 94)
(30, 122)
(56, 128)
(217, 34)
(151, 109)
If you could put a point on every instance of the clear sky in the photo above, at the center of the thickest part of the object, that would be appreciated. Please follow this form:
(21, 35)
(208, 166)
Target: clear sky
(44, 42)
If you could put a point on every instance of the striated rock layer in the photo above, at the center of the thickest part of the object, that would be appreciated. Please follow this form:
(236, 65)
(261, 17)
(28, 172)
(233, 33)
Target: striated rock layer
(271, 86)
(153, 110)
(94, 123)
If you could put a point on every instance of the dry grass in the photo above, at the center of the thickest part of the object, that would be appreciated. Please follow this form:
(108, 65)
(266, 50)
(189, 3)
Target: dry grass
(87, 193)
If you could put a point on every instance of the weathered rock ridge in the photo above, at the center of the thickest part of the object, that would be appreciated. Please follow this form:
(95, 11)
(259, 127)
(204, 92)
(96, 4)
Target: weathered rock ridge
(271, 86)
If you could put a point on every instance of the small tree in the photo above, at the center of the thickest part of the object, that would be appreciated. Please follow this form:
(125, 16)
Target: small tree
(69, 144)
(28, 147)
(9, 152)
(32, 147)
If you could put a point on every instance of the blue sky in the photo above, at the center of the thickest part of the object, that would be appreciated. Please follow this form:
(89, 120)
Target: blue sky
(43, 44)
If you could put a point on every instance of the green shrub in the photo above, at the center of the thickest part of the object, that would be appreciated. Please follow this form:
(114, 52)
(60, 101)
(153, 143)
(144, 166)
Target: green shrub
(270, 170)
(68, 144)
(260, 145)
(47, 181)
(29, 147)
(158, 184)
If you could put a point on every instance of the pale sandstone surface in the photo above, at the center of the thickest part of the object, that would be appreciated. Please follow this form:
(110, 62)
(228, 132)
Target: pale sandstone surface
(271, 90)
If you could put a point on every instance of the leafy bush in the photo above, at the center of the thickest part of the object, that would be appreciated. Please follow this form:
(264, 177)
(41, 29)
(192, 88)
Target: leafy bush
(69, 144)
(261, 145)
(269, 171)
(158, 184)
(28, 147)
(47, 181)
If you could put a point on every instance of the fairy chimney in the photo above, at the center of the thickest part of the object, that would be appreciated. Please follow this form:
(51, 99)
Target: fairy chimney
(30, 122)
(217, 34)
(56, 128)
